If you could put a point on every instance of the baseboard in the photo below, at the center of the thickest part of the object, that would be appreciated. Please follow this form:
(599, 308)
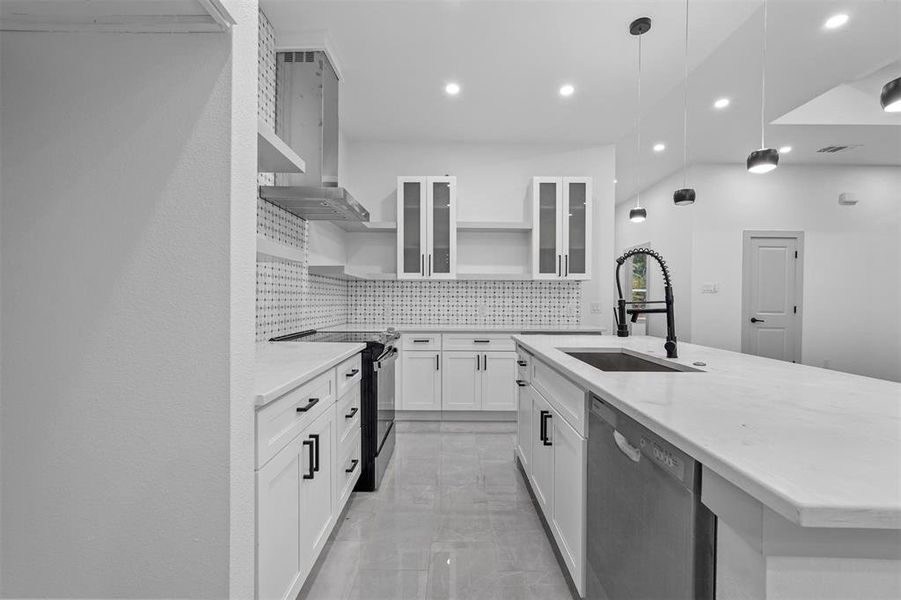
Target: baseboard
(455, 415)
(547, 530)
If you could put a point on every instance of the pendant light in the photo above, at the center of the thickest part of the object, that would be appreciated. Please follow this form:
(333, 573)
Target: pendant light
(686, 195)
(639, 27)
(765, 159)
(891, 96)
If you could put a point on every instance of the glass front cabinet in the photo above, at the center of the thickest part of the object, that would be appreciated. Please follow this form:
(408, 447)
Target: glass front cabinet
(561, 227)
(426, 227)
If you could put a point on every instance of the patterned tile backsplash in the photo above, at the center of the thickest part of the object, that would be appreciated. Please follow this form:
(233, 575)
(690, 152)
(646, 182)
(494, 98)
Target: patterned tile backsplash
(290, 299)
(513, 303)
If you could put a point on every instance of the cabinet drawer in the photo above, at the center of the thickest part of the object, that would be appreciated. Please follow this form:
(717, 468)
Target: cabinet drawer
(347, 414)
(421, 341)
(478, 342)
(280, 422)
(348, 374)
(348, 469)
(564, 395)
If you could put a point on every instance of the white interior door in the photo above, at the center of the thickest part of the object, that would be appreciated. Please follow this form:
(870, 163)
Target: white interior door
(772, 289)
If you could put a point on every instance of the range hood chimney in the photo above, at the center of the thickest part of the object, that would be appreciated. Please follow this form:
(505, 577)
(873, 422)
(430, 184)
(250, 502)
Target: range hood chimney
(306, 117)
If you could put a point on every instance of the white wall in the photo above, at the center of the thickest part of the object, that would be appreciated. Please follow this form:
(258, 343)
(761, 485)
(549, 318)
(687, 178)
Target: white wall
(492, 185)
(852, 300)
(125, 342)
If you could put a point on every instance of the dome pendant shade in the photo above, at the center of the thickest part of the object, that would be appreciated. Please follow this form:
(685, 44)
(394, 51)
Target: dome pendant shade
(638, 214)
(763, 160)
(891, 96)
(684, 197)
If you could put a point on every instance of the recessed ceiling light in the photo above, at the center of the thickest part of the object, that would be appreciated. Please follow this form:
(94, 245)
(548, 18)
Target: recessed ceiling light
(721, 103)
(452, 89)
(659, 147)
(836, 21)
(567, 90)
(785, 149)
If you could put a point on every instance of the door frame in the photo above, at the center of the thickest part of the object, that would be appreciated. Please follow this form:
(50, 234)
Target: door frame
(747, 236)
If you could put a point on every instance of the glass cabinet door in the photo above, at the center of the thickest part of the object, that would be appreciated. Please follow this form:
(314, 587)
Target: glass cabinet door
(442, 228)
(411, 247)
(547, 262)
(577, 193)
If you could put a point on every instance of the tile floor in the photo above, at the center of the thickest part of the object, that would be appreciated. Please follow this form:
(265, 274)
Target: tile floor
(452, 519)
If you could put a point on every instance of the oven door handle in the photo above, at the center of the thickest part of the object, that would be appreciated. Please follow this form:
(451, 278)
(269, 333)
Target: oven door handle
(387, 355)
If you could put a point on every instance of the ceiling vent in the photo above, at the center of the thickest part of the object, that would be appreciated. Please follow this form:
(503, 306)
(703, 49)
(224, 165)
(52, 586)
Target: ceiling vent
(834, 149)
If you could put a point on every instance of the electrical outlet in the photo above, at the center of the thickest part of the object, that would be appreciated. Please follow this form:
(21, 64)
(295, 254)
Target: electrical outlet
(597, 308)
(710, 288)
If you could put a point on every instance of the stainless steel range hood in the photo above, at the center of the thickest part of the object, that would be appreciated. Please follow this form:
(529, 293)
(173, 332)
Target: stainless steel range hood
(306, 117)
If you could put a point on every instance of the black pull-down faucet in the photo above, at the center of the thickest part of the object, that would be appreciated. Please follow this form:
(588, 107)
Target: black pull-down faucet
(622, 327)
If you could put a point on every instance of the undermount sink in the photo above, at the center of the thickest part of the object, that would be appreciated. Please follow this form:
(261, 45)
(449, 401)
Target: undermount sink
(619, 360)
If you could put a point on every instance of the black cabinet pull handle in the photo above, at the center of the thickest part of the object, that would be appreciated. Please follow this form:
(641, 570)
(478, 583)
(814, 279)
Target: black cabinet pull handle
(521, 383)
(353, 412)
(566, 271)
(430, 265)
(521, 363)
(352, 373)
(309, 474)
(437, 362)
(559, 265)
(478, 363)
(315, 438)
(485, 362)
(756, 320)
(310, 404)
(353, 465)
(421, 341)
(422, 264)
(481, 341)
(545, 415)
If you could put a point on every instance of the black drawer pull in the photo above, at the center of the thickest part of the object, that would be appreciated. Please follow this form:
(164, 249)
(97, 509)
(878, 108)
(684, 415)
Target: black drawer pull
(521, 383)
(352, 373)
(481, 341)
(353, 412)
(309, 474)
(421, 341)
(353, 465)
(310, 404)
(545, 416)
(315, 438)
(521, 363)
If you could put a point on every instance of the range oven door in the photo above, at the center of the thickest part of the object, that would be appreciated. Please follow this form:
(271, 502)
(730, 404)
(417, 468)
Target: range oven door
(384, 370)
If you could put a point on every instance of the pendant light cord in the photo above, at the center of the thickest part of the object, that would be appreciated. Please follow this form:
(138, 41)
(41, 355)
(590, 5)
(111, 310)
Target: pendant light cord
(763, 79)
(638, 193)
(685, 104)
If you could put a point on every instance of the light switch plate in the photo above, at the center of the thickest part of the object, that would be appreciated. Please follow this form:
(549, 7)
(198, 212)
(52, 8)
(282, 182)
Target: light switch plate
(710, 288)
(597, 308)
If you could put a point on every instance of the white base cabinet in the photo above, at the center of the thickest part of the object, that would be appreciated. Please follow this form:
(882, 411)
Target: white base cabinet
(554, 457)
(478, 381)
(303, 482)
(421, 380)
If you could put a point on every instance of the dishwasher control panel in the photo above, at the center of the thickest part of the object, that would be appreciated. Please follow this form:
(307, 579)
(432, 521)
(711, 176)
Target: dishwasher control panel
(664, 457)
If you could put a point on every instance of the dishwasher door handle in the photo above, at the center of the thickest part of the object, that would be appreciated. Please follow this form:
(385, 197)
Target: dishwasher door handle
(625, 447)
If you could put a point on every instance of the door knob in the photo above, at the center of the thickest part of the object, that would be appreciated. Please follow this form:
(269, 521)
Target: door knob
(756, 320)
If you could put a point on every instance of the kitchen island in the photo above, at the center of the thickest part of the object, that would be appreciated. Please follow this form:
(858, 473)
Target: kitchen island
(801, 466)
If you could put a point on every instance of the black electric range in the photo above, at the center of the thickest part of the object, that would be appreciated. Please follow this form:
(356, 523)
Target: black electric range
(377, 407)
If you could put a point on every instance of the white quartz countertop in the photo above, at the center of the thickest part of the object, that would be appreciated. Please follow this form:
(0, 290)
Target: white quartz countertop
(404, 327)
(282, 366)
(821, 448)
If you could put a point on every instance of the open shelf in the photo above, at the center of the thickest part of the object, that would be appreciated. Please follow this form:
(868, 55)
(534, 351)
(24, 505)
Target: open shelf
(268, 249)
(495, 226)
(500, 276)
(368, 226)
(116, 16)
(273, 154)
(346, 272)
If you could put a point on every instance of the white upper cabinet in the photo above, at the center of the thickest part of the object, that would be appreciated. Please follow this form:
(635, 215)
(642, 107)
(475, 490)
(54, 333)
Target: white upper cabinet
(561, 221)
(426, 227)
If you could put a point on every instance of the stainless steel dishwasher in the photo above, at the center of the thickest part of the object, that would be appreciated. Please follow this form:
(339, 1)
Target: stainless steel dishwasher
(649, 536)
